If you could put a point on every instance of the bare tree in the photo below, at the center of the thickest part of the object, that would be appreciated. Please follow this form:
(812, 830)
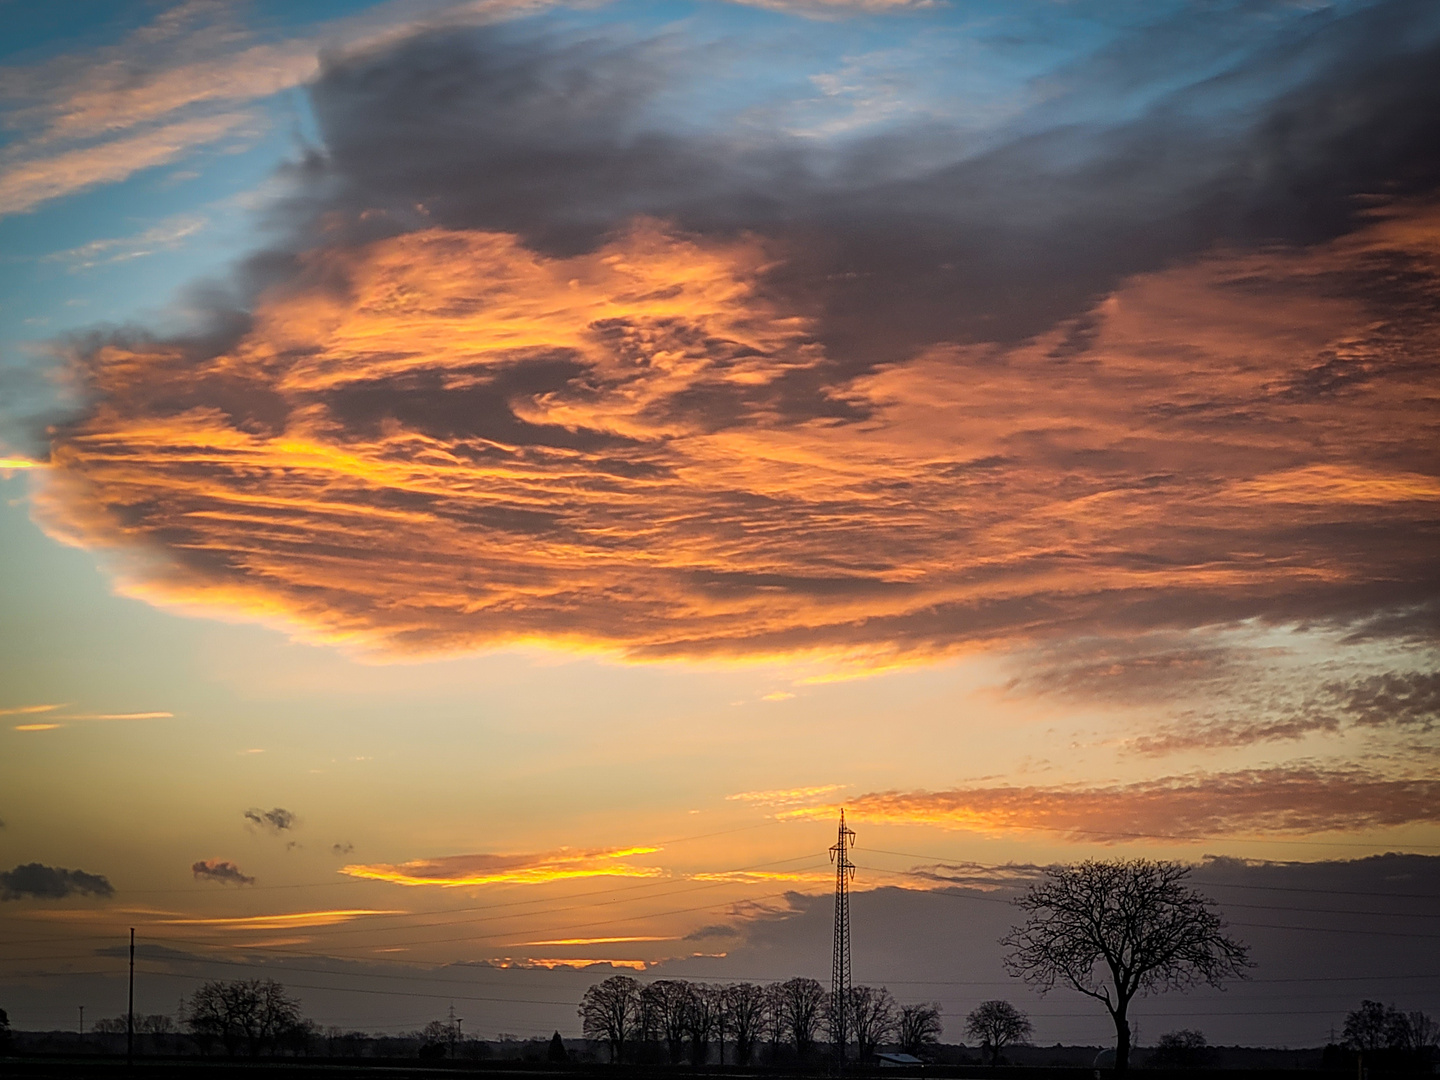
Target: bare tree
(801, 1002)
(702, 1018)
(155, 1024)
(1112, 930)
(872, 1017)
(608, 1012)
(1422, 1030)
(665, 1001)
(1375, 1026)
(774, 1018)
(254, 1013)
(746, 1011)
(919, 1027)
(997, 1024)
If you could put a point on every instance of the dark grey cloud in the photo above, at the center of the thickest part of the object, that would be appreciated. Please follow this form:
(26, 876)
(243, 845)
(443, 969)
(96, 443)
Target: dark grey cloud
(40, 882)
(553, 138)
(344, 848)
(1400, 699)
(1397, 702)
(276, 820)
(221, 871)
(711, 932)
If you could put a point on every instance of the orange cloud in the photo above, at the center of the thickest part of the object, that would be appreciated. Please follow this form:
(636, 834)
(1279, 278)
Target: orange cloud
(528, 869)
(597, 940)
(748, 877)
(546, 962)
(785, 796)
(288, 921)
(1198, 806)
(636, 450)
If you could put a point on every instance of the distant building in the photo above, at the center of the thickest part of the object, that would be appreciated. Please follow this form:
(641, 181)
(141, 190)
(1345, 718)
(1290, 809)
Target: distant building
(898, 1061)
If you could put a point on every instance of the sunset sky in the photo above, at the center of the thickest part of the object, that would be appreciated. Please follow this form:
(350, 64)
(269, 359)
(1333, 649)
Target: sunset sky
(483, 483)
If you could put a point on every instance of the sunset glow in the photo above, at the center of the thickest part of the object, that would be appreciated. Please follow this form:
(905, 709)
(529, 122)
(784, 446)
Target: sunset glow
(487, 485)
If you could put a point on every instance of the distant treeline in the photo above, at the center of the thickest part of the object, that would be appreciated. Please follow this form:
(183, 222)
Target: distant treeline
(790, 1022)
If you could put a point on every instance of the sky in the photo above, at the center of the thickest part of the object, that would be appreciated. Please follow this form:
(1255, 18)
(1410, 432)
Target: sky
(483, 483)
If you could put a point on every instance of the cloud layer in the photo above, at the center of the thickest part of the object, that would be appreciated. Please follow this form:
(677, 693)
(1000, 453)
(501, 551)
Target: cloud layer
(1293, 799)
(532, 372)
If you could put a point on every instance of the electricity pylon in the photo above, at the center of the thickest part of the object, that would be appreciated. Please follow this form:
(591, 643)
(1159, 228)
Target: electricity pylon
(840, 960)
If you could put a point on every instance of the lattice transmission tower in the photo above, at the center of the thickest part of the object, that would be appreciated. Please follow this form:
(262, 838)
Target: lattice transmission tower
(840, 959)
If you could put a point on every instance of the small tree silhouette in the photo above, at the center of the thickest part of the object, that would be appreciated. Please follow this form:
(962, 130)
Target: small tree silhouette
(919, 1027)
(995, 1025)
(1184, 1049)
(557, 1054)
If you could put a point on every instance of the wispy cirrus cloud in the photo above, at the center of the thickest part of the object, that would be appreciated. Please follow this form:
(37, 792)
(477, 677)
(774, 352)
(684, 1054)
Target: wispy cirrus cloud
(164, 236)
(785, 797)
(286, 921)
(1290, 800)
(598, 940)
(26, 184)
(537, 868)
(54, 720)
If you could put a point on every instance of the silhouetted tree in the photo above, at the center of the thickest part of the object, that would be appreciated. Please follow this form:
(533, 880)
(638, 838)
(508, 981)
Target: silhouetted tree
(557, 1054)
(773, 1020)
(254, 1013)
(155, 1024)
(1184, 1049)
(608, 1011)
(665, 1001)
(437, 1039)
(702, 1019)
(1112, 930)
(919, 1027)
(1374, 1027)
(745, 1008)
(872, 1017)
(801, 1002)
(4, 1031)
(1422, 1031)
(997, 1024)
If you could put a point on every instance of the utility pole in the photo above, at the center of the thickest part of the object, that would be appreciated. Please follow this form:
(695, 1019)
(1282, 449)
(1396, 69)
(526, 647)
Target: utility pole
(130, 1008)
(840, 957)
(82, 1023)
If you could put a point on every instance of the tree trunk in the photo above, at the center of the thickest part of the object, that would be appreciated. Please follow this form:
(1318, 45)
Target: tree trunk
(1122, 1042)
